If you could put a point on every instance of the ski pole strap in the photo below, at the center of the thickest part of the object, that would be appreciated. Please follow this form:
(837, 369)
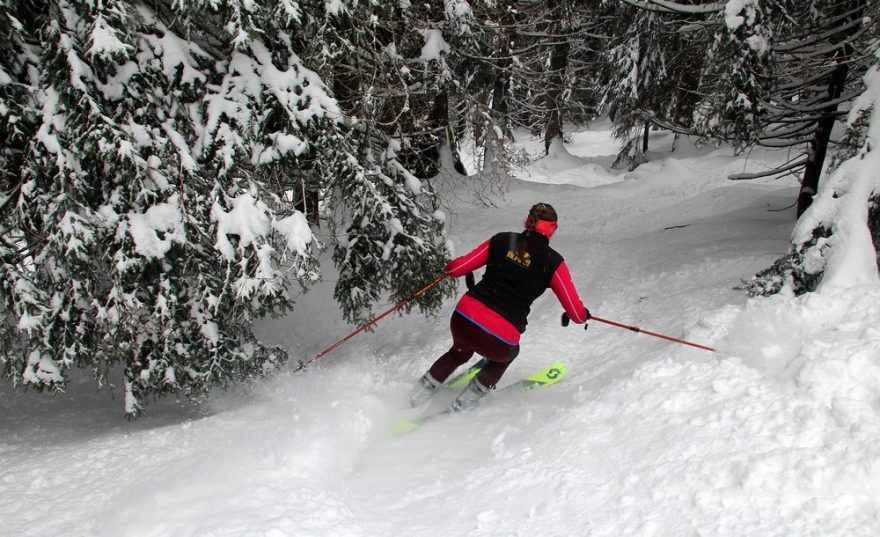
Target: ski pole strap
(655, 334)
(373, 321)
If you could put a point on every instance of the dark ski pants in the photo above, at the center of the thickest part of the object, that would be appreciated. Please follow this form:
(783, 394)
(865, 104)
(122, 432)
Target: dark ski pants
(467, 339)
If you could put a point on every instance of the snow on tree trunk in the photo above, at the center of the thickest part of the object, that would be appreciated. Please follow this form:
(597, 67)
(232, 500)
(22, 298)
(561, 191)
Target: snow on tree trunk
(842, 204)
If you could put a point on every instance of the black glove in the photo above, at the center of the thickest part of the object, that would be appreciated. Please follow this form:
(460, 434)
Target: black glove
(587, 313)
(469, 280)
(566, 319)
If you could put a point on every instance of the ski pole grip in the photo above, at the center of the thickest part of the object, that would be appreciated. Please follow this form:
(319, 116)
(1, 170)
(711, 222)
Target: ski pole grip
(469, 280)
(565, 319)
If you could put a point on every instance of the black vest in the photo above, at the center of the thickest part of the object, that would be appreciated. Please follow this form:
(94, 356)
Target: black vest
(514, 279)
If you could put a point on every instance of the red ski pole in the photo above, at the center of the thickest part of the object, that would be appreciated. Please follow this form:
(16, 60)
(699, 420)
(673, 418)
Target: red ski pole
(374, 320)
(642, 331)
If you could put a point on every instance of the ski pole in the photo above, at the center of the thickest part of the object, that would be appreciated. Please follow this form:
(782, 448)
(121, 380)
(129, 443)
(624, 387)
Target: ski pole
(565, 321)
(371, 322)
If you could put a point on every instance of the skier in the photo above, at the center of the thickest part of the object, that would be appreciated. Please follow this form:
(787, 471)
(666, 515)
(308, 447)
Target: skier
(490, 317)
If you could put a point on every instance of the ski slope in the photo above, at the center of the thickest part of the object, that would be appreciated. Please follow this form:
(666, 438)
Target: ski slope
(777, 434)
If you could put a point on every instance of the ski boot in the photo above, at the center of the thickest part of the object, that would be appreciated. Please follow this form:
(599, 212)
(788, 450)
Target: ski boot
(424, 389)
(471, 395)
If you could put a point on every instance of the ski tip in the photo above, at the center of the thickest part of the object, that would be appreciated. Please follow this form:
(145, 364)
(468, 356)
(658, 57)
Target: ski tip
(404, 427)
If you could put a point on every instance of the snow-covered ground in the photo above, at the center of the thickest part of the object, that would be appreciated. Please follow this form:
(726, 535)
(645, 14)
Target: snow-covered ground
(777, 434)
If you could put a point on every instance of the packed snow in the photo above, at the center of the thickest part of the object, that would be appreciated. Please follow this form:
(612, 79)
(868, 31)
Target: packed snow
(776, 434)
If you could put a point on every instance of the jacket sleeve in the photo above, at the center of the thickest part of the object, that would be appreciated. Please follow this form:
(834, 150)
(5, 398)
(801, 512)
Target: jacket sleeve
(564, 290)
(469, 262)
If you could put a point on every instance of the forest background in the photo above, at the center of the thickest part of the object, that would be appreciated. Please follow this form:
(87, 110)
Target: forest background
(172, 170)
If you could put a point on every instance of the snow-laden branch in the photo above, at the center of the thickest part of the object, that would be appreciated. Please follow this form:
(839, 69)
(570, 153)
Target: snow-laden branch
(794, 165)
(819, 105)
(836, 25)
(667, 6)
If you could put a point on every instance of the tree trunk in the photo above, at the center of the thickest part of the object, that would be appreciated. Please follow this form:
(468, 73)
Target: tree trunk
(499, 97)
(438, 126)
(306, 201)
(836, 84)
(494, 143)
(819, 143)
(558, 66)
(452, 131)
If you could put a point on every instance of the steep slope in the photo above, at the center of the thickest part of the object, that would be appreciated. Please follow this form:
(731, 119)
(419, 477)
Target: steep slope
(776, 434)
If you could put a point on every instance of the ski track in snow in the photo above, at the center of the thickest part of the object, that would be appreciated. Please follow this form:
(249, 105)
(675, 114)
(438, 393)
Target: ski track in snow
(775, 435)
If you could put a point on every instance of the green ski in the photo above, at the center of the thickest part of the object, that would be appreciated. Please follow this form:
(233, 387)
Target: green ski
(460, 381)
(545, 377)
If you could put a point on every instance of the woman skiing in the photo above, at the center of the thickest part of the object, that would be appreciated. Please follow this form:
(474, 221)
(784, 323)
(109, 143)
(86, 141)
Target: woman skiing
(490, 317)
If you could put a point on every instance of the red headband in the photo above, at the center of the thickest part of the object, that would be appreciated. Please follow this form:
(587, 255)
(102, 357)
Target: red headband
(544, 227)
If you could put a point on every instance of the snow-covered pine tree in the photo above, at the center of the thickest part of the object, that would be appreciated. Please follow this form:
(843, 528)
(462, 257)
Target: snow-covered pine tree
(128, 254)
(781, 74)
(636, 73)
(386, 71)
(17, 56)
(17, 127)
(540, 87)
(820, 52)
(461, 134)
(562, 26)
(147, 216)
(733, 76)
(678, 66)
(837, 239)
(777, 74)
(509, 67)
(484, 53)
